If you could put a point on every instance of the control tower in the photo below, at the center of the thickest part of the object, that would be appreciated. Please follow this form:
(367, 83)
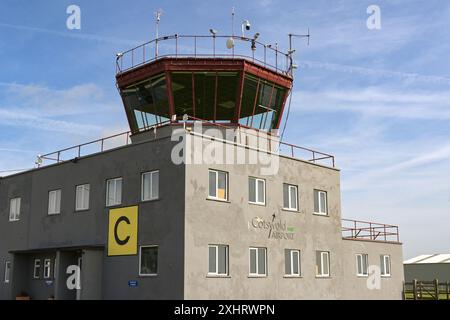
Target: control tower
(229, 80)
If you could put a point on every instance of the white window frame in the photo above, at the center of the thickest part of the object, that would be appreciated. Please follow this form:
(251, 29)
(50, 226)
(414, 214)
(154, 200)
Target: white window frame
(54, 208)
(47, 268)
(321, 210)
(320, 273)
(384, 257)
(140, 261)
(216, 172)
(14, 209)
(216, 273)
(83, 196)
(291, 274)
(116, 202)
(151, 174)
(263, 203)
(290, 208)
(360, 272)
(7, 273)
(257, 274)
(37, 266)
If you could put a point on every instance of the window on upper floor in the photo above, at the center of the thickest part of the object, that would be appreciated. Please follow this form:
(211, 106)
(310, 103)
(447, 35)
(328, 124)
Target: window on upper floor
(256, 191)
(82, 194)
(320, 203)
(14, 209)
(7, 275)
(113, 192)
(47, 268)
(322, 264)
(54, 202)
(218, 260)
(290, 197)
(218, 185)
(258, 262)
(292, 262)
(37, 269)
(150, 186)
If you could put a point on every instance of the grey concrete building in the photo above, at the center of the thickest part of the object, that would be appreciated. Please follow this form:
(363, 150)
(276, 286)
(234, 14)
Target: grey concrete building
(202, 201)
(428, 267)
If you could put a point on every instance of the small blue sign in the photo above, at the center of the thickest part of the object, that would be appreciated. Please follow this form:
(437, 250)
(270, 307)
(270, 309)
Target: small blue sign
(132, 283)
(49, 283)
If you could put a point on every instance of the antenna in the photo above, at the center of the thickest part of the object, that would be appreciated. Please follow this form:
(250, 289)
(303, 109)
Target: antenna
(291, 50)
(158, 14)
(232, 21)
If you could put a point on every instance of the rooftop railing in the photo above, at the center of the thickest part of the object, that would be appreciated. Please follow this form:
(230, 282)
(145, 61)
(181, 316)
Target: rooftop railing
(123, 139)
(369, 231)
(205, 46)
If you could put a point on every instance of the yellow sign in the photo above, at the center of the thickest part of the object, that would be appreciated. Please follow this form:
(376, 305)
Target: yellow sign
(123, 231)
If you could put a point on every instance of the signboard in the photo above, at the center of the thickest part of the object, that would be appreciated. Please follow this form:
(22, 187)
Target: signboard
(122, 231)
(276, 228)
(132, 283)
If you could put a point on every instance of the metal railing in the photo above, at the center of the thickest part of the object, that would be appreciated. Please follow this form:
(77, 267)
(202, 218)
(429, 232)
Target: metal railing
(123, 139)
(369, 231)
(205, 46)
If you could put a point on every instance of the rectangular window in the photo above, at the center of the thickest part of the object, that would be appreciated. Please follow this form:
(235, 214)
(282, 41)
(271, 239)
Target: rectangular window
(290, 197)
(218, 260)
(385, 264)
(320, 202)
(258, 262)
(37, 269)
(47, 268)
(54, 202)
(362, 265)
(257, 190)
(7, 271)
(150, 186)
(14, 209)
(82, 197)
(218, 185)
(322, 264)
(113, 192)
(292, 262)
(148, 261)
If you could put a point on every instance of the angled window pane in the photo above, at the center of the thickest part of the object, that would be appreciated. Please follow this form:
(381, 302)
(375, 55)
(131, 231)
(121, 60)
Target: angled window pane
(252, 189)
(261, 191)
(222, 259)
(287, 261)
(293, 197)
(212, 183)
(286, 196)
(253, 261)
(295, 262)
(212, 259)
(155, 185)
(316, 201)
(222, 185)
(261, 261)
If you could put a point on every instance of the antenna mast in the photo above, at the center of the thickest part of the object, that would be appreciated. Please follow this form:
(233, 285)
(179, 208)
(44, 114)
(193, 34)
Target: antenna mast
(291, 51)
(232, 21)
(158, 14)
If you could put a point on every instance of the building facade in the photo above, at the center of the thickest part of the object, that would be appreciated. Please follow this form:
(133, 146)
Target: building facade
(146, 220)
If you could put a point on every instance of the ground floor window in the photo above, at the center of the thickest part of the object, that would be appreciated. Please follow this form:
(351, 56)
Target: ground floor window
(322, 264)
(385, 265)
(292, 262)
(37, 269)
(362, 264)
(218, 260)
(148, 260)
(47, 268)
(258, 262)
(7, 271)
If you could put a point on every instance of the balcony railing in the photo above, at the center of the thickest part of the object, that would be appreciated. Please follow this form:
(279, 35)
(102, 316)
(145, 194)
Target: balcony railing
(205, 46)
(123, 139)
(369, 231)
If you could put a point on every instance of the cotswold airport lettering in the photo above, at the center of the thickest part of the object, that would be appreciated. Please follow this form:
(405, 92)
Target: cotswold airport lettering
(277, 228)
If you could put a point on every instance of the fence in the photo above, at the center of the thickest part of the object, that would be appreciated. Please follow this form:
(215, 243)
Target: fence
(426, 290)
(369, 231)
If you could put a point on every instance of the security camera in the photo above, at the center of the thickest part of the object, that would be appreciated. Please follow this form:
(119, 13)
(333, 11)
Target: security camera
(247, 25)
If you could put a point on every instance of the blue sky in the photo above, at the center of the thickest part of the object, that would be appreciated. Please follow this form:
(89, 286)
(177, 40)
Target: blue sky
(379, 100)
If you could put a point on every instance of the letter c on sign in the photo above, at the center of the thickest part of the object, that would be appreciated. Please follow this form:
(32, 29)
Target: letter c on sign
(116, 226)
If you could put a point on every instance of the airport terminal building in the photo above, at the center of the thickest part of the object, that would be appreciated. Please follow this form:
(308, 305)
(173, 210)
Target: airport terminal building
(200, 200)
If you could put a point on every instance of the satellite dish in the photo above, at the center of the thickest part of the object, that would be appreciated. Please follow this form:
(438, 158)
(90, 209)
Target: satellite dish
(230, 43)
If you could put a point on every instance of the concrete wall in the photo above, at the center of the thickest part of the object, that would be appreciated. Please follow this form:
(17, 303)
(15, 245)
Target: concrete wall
(427, 272)
(356, 287)
(161, 222)
(229, 223)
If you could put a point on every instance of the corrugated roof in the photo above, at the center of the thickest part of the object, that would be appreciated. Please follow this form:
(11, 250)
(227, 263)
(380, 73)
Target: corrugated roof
(429, 258)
